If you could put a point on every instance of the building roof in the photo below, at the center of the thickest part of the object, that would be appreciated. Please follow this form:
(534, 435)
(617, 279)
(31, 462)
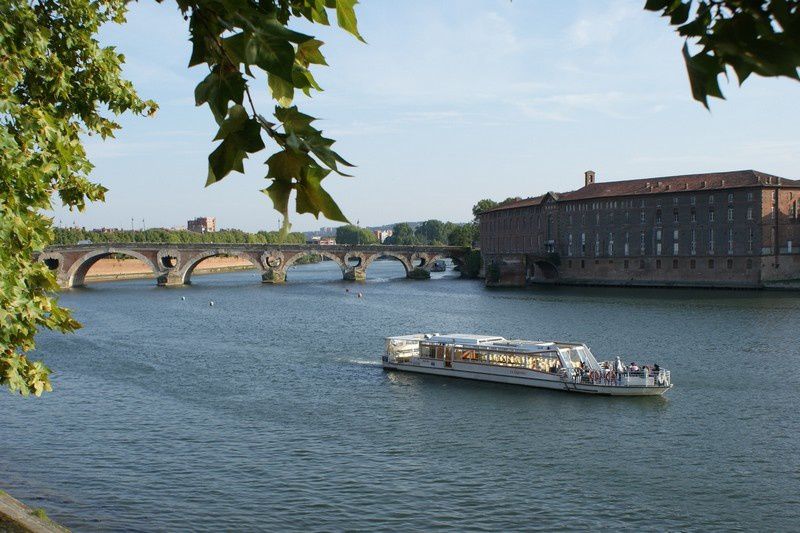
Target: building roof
(666, 184)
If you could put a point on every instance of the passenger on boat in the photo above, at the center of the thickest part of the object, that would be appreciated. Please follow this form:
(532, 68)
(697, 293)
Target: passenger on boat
(634, 367)
(656, 368)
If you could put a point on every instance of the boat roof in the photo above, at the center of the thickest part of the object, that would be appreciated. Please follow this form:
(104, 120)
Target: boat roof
(484, 340)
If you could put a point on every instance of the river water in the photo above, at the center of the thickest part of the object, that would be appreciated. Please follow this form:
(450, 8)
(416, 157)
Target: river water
(269, 411)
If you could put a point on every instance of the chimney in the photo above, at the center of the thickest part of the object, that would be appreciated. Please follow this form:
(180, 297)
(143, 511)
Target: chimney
(589, 177)
(703, 184)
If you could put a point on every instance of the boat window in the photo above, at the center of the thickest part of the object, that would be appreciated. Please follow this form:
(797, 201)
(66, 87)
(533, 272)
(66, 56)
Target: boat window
(425, 350)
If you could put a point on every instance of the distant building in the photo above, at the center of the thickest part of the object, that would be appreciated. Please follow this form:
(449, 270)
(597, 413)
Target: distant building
(383, 234)
(324, 241)
(202, 225)
(724, 229)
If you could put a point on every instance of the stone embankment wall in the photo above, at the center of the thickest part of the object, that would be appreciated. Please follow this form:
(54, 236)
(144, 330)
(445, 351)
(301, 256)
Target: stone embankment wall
(110, 269)
(16, 517)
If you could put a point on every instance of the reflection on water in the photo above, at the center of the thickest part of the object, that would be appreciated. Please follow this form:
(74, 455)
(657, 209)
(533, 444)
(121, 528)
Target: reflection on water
(270, 410)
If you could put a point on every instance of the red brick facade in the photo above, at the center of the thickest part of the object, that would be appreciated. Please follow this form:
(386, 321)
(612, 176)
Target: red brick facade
(731, 229)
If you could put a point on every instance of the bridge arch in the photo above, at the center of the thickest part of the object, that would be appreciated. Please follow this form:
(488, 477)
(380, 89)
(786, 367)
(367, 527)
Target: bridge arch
(332, 256)
(76, 275)
(191, 263)
(405, 259)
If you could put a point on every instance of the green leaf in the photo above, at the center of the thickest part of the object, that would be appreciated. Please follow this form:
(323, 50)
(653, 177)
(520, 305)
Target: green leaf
(240, 135)
(274, 55)
(218, 89)
(308, 53)
(312, 198)
(279, 193)
(346, 17)
(282, 90)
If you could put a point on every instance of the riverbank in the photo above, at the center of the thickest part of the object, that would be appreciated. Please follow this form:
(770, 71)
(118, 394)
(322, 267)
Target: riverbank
(110, 269)
(16, 517)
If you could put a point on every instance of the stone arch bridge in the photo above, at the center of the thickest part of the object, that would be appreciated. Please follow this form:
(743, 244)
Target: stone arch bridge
(173, 264)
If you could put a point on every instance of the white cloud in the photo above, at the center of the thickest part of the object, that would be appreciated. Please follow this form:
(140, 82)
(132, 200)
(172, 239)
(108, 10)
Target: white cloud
(602, 27)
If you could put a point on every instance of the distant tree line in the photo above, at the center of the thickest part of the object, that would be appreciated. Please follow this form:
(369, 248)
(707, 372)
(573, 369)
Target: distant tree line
(226, 236)
(432, 231)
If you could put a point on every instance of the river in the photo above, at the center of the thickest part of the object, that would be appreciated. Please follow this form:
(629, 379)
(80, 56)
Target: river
(269, 411)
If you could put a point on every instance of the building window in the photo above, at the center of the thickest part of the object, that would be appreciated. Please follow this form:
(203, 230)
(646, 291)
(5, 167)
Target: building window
(642, 204)
(596, 244)
(749, 196)
(658, 248)
(641, 217)
(693, 200)
(675, 201)
(729, 264)
(730, 197)
(730, 240)
(794, 210)
(675, 241)
(569, 246)
(692, 264)
(693, 250)
(749, 213)
(611, 244)
(597, 218)
(583, 263)
(711, 240)
(694, 215)
(674, 263)
(658, 216)
(710, 199)
(730, 214)
(583, 244)
(626, 244)
(711, 264)
(750, 241)
(711, 215)
(749, 264)
(658, 264)
(675, 215)
(641, 243)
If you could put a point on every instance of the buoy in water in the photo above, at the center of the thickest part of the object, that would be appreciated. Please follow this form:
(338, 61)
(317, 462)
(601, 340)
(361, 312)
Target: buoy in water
(347, 290)
(360, 295)
(183, 297)
(211, 303)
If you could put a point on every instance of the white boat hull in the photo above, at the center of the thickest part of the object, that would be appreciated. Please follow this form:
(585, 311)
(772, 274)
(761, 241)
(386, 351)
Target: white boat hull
(519, 376)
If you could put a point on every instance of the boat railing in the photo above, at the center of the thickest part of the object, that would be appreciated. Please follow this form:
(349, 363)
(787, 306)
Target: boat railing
(609, 377)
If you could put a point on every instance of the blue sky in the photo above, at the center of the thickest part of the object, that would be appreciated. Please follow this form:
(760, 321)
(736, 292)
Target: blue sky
(448, 103)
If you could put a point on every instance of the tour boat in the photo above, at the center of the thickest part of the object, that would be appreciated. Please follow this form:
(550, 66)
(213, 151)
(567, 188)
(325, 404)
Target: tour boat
(546, 364)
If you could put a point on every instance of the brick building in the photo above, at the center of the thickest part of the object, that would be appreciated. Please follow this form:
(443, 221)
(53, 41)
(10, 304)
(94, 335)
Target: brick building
(202, 225)
(727, 229)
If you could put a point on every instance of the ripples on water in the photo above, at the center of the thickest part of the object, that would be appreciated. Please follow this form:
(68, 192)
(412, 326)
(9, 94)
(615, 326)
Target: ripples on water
(270, 411)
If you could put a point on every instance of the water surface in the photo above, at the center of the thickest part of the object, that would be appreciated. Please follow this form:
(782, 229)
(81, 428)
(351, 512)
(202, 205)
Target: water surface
(270, 411)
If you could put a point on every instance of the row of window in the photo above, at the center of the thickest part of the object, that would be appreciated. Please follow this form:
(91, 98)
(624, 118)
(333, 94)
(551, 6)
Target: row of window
(518, 222)
(711, 264)
(608, 245)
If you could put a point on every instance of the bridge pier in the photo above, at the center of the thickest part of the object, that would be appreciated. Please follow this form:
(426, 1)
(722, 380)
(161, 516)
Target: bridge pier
(273, 275)
(170, 278)
(355, 274)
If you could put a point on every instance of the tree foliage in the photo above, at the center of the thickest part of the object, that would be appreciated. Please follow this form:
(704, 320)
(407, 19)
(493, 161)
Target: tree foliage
(749, 36)
(350, 234)
(402, 234)
(225, 236)
(236, 39)
(483, 205)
